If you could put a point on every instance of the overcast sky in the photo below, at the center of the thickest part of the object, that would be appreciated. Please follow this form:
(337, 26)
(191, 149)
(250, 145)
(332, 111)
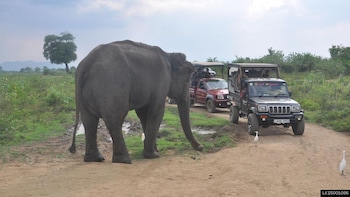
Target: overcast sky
(198, 28)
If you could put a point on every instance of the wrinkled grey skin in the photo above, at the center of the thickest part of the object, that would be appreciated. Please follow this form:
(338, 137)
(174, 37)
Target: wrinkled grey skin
(117, 77)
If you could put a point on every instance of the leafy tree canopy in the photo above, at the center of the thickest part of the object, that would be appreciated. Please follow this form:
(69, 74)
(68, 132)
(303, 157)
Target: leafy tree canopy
(60, 49)
(341, 54)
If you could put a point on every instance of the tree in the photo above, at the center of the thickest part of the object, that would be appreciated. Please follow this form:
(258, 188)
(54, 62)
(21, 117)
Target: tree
(243, 60)
(212, 59)
(60, 49)
(303, 62)
(26, 70)
(341, 54)
(274, 57)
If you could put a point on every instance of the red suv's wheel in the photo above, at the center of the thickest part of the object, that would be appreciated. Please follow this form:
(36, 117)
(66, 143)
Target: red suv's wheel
(211, 105)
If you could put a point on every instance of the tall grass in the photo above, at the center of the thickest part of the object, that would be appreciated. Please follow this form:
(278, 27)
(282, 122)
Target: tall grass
(34, 107)
(325, 100)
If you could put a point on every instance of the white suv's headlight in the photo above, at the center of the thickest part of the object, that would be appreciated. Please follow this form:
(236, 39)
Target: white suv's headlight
(296, 108)
(262, 108)
(221, 96)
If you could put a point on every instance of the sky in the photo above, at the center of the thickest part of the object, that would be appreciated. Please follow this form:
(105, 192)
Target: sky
(201, 29)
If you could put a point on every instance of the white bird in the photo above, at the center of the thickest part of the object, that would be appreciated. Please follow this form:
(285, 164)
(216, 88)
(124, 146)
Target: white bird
(342, 164)
(109, 139)
(143, 137)
(256, 138)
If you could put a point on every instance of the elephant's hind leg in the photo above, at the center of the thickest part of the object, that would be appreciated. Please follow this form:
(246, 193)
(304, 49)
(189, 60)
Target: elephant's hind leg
(92, 154)
(120, 152)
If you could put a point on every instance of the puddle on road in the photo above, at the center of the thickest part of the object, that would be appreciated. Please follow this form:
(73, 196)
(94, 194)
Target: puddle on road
(125, 128)
(81, 130)
(202, 131)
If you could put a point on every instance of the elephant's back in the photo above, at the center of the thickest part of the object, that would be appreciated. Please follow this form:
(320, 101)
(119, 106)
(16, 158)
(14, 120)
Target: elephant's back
(135, 55)
(126, 66)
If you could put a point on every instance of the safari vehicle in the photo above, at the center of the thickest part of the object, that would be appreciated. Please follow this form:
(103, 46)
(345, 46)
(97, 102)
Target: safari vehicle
(206, 88)
(263, 99)
(205, 69)
(237, 72)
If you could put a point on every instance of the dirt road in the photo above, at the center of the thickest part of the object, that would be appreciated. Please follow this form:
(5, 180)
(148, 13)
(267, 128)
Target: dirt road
(280, 165)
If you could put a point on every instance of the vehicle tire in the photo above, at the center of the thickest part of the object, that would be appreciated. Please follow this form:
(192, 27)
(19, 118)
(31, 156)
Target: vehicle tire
(299, 127)
(234, 114)
(211, 106)
(191, 102)
(253, 124)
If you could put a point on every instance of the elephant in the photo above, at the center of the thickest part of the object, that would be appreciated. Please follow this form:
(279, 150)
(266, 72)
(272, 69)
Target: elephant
(126, 75)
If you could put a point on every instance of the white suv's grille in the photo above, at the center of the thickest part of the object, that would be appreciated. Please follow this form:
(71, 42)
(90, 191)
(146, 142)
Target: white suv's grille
(279, 109)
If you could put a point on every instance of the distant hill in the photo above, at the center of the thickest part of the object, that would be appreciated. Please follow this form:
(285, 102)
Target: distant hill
(17, 65)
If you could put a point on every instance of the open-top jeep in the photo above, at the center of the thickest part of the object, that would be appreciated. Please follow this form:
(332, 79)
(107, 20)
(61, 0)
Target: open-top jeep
(256, 92)
(206, 88)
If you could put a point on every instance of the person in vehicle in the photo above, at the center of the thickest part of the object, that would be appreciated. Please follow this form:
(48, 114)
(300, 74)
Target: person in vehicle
(243, 92)
(207, 74)
(266, 74)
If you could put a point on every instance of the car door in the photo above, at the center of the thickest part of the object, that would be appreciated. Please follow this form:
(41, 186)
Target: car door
(201, 92)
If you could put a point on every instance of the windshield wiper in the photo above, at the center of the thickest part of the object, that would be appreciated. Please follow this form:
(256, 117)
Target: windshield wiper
(281, 94)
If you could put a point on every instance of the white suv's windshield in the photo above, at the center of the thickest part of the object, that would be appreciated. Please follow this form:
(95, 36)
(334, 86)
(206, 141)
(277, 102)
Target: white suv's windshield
(264, 89)
(217, 84)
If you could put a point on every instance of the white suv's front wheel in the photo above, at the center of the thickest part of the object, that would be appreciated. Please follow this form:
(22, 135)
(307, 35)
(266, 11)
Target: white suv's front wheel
(299, 127)
(253, 124)
(234, 114)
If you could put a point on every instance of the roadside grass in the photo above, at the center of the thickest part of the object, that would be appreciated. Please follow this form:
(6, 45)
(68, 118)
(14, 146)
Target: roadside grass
(172, 140)
(325, 100)
(35, 108)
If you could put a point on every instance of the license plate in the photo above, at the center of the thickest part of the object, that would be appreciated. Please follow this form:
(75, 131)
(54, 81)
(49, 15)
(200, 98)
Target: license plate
(281, 121)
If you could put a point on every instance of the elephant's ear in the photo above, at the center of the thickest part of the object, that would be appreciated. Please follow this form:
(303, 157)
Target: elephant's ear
(180, 64)
(180, 73)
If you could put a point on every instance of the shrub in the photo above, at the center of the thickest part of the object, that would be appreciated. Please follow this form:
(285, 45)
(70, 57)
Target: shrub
(29, 104)
(53, 97)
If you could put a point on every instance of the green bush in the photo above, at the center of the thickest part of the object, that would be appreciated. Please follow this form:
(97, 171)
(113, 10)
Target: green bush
(30, 102)
(325, 100)
(53, 97)
(59, 101)
(7, 133)
(309, 104)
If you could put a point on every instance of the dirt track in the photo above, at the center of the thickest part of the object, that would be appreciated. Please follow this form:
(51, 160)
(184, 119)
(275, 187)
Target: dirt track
(280, 165)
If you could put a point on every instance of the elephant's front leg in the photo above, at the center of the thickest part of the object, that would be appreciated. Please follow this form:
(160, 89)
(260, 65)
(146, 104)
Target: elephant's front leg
(153, 121)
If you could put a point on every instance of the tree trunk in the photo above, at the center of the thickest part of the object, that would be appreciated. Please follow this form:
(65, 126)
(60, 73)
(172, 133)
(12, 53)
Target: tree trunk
(67, 68)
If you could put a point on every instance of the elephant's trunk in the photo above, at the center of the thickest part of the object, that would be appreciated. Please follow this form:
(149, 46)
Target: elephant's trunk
(183, 105)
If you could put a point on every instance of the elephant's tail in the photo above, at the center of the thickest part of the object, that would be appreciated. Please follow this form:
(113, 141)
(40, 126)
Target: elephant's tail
(72, 148)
